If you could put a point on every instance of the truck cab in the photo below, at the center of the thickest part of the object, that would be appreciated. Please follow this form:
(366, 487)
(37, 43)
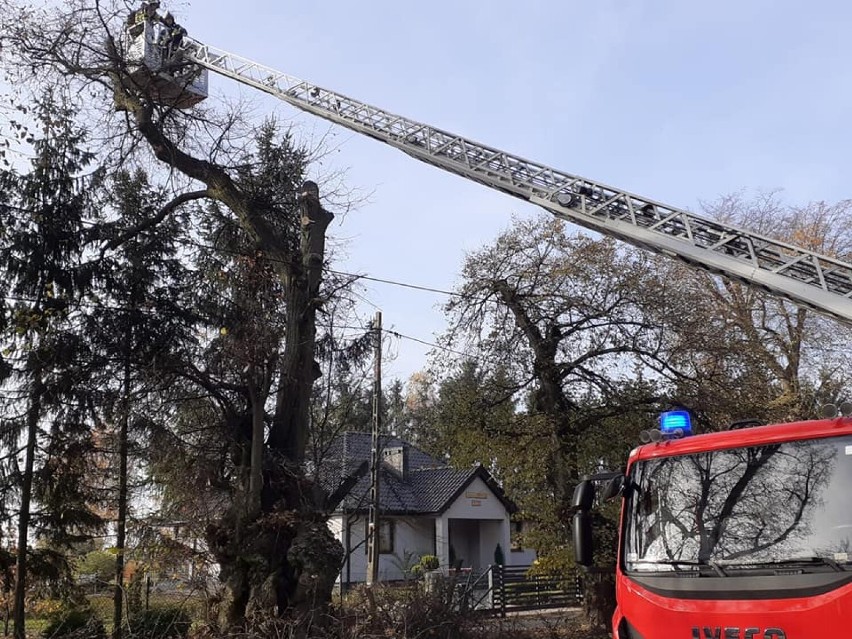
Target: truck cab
(742, 534)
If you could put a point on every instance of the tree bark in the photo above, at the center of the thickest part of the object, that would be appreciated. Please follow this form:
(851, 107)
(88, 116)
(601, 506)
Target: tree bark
(33, 416)
(298, 368)
(121, 519)
(549, 399)
(256, 397)
(562, 468)
(599, 597)
(300, 557)
(283, 487)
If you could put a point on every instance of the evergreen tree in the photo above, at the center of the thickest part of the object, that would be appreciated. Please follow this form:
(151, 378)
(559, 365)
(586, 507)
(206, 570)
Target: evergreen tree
(42, 219)
(138, 322)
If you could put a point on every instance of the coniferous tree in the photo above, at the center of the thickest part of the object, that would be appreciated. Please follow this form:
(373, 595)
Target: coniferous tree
(138, 321)
(42, 219)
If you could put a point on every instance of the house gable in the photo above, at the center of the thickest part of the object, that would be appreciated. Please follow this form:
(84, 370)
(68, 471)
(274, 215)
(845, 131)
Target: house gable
(476, 500)
(481, 474)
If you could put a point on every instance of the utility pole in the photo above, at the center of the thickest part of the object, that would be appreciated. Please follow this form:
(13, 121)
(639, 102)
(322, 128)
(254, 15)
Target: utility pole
(375, 457)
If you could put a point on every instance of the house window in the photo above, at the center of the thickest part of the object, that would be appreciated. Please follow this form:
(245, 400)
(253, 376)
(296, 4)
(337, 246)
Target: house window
(386, 535)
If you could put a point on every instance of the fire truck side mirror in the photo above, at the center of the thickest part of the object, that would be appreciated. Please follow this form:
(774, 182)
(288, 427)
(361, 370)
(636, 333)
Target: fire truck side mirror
(582, 533)
(613, 488)
(584, 495)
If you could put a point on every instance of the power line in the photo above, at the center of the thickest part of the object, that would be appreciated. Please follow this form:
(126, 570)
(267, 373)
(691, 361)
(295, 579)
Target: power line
(358, 276)
(399, 335)
(430, 344)
(416, 287)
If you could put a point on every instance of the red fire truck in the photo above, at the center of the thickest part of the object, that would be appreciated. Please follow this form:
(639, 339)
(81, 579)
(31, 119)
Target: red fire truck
(741, 534)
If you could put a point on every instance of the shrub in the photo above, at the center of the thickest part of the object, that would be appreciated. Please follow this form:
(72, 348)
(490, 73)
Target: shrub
(49, 608)
(160, 623)
(429, 562)
(499, 557)
(402, 612)
(98, 563)
(74, 623)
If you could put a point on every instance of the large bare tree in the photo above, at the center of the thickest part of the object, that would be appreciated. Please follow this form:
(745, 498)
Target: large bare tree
(564, 318)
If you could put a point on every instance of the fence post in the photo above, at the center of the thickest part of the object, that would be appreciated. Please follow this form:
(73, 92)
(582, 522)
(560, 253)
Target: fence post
(578, 584)
(502, 591)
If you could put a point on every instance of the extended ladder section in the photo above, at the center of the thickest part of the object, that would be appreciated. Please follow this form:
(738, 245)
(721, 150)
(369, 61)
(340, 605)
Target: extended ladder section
(804, 277)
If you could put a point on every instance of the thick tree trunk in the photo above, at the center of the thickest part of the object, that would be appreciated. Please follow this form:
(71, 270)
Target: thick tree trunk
(300, 558)
(240, 588)
(599, 598)
(313, 556)
(298, 368)
(257, 398)
(236, 571)
(33, 416)
(562, 468)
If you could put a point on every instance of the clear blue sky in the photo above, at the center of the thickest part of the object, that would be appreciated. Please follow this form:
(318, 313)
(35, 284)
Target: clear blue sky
(679, 101)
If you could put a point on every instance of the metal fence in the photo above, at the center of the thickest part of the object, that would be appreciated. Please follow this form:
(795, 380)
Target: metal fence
(516, 588)
(502, 589)
(198, 599)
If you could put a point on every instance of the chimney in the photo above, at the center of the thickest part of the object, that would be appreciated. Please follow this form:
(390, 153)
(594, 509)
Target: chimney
(397, 458)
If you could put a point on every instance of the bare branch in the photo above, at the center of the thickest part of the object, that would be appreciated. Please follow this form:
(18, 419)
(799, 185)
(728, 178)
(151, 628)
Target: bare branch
(145, 225)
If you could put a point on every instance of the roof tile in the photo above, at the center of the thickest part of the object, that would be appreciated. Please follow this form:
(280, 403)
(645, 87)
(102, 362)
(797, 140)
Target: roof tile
(428, 488)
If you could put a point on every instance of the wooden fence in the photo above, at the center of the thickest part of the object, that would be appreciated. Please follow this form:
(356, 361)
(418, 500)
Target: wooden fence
(503, 589)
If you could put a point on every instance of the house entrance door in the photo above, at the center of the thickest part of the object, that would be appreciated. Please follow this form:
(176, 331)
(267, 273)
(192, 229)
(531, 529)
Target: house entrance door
(464, 544)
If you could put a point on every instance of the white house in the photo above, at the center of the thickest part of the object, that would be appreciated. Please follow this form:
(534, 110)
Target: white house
(426, 508)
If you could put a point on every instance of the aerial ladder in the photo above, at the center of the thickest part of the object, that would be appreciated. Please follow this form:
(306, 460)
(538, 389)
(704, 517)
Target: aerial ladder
(806, 278)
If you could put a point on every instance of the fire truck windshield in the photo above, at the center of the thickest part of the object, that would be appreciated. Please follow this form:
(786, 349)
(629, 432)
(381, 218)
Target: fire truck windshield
(737, 509)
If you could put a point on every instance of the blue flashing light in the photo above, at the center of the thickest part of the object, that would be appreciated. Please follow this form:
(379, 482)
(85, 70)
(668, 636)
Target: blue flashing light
(676, 420)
